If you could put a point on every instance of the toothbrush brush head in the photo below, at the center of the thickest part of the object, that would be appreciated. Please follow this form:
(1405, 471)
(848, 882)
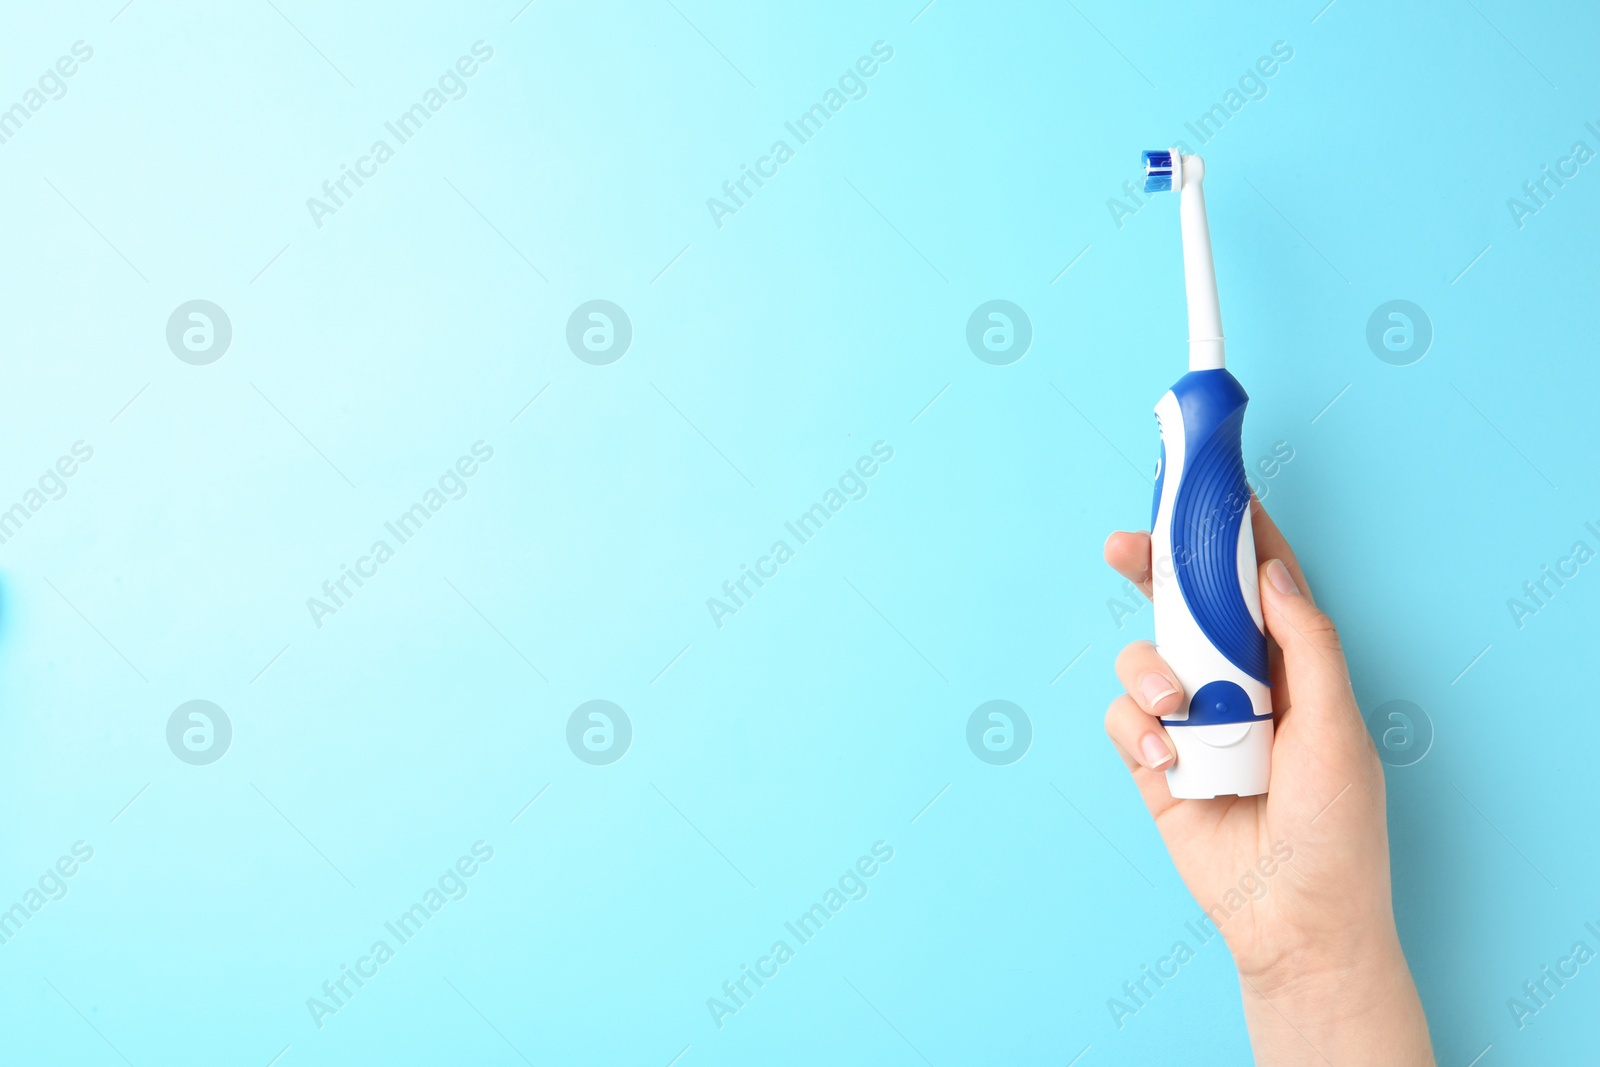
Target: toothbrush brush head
(1162, 170)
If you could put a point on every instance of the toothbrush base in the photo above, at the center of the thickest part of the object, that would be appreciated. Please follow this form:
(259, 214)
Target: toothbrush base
(1224, 759)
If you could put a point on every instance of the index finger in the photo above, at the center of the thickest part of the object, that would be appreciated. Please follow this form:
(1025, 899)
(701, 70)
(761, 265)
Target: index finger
(1128, 552)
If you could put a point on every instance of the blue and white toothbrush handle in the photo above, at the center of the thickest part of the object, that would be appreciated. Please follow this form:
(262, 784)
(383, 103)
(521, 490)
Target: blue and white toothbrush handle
(1207, 604)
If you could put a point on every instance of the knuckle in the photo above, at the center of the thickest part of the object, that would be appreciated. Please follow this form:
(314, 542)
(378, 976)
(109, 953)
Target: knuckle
(1116, 713)
(1320, 631)
(1132, 653)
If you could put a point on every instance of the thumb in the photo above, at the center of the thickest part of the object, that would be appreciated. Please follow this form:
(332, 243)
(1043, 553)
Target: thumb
(1313, 658)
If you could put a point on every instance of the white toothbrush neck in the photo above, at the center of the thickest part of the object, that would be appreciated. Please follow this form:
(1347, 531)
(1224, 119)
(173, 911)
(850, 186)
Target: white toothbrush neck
(1199, 274)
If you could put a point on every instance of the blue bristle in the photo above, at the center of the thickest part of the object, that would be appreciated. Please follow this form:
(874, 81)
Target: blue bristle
(1157, 170)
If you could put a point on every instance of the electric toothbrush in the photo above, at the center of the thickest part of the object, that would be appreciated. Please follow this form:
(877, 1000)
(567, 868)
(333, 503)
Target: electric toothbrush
(1202, 550)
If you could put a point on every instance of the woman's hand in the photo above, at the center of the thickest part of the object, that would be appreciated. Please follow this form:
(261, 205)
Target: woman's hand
(1297, 880)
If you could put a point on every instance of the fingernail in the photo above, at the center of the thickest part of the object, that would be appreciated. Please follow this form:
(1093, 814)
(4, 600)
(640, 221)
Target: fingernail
(1281, 579)
(1155, 689)
(1154, 751)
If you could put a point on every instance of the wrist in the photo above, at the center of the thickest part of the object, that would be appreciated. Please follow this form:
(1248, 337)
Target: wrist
(1332, 980)
(1311, 969)
(1304, 1007)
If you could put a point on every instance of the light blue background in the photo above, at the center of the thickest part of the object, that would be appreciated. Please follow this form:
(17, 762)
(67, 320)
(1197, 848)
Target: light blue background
(768, 355)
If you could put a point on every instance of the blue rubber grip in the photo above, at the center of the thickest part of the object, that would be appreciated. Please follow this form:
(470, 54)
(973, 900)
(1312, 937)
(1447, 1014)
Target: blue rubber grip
(1211, 502)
